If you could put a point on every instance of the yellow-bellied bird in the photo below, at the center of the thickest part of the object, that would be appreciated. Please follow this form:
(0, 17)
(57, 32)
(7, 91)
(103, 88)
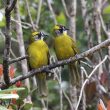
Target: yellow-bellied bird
(65, 47)
(38, 53)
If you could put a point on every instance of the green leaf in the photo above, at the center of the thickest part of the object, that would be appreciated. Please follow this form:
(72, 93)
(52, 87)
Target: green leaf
(61, 18)
(12, 89)
(9, 96)
(3, 108)
(27, 106)
(19, 102)
(13, 106)
(24, 93)
(107, 10)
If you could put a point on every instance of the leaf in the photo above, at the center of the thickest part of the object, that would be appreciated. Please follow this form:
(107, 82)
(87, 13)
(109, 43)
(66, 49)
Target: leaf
(12, 107)
(12, 71)
(108, 105)
(90, 91)
(3, 108)
(107, 10)
(61, 18)
(12, 89)
(103, 78)
(2, 22)
(100, 105)
(19, 101)
(1, 70)
(9, 96)
(27, 106)
(24, 93)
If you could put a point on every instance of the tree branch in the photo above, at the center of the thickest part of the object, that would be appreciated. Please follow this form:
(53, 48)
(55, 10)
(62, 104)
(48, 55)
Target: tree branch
(12, 5)
(90, 75)
(18, 59)
(30, 17)
(106, 43)
(6, 55)
(65, 8)
(39, 12)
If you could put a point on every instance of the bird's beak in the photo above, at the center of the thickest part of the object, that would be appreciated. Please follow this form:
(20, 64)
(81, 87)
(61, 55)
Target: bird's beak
(45, 35)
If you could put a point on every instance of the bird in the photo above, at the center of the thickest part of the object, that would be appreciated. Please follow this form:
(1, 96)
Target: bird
(65, 47)
(38, 56)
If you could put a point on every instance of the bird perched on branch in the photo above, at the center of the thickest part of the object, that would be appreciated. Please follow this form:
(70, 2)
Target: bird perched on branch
(65, 47)
(38, 53)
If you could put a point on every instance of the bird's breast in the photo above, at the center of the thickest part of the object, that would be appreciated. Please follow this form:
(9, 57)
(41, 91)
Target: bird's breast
(37, 55)
(63, 48)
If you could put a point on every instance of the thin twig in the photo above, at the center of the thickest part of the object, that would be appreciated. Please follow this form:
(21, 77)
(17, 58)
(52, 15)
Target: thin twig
(18, 59)
(3, 36)
(39, 12)
(83, 94)
(30, 17)
(103, 26)
(52, 12)
(84, 71)
(12, 53)
(90, 66)
(91, 74)
(65, 8)
(66, 96)
(23, 23)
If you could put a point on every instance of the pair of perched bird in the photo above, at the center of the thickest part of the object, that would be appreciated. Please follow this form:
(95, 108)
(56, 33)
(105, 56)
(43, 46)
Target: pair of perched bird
(38, 53)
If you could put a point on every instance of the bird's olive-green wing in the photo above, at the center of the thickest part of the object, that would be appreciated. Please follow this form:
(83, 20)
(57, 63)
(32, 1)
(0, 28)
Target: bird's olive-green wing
(74, 46)
(29, 67)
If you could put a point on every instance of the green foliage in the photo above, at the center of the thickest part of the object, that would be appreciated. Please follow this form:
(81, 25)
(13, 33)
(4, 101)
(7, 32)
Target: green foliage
(24, 93)
(4, 94)
(12, 89)
(106, 10)
(61, 19)
(8, 96)
(27, 106)
(2, 22)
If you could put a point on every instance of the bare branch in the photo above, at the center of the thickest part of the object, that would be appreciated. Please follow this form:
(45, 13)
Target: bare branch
(97, 9)
(23, 23)
(86, 19)
(38, 13)
(52, 12)
(103, 26)
(72, 18)
(7, 41)
(18, 59)
(30, 17)
(65, 8)
(91, 74)
(12, 5)
(22, 52)
(57, 64)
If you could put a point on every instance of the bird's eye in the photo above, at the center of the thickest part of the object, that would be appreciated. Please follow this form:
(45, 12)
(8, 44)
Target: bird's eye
(36, 37)
(39, 37)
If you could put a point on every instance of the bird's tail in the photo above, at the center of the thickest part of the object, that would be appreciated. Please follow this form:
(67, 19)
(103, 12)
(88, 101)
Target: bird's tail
(41, 83)
(74, 74)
